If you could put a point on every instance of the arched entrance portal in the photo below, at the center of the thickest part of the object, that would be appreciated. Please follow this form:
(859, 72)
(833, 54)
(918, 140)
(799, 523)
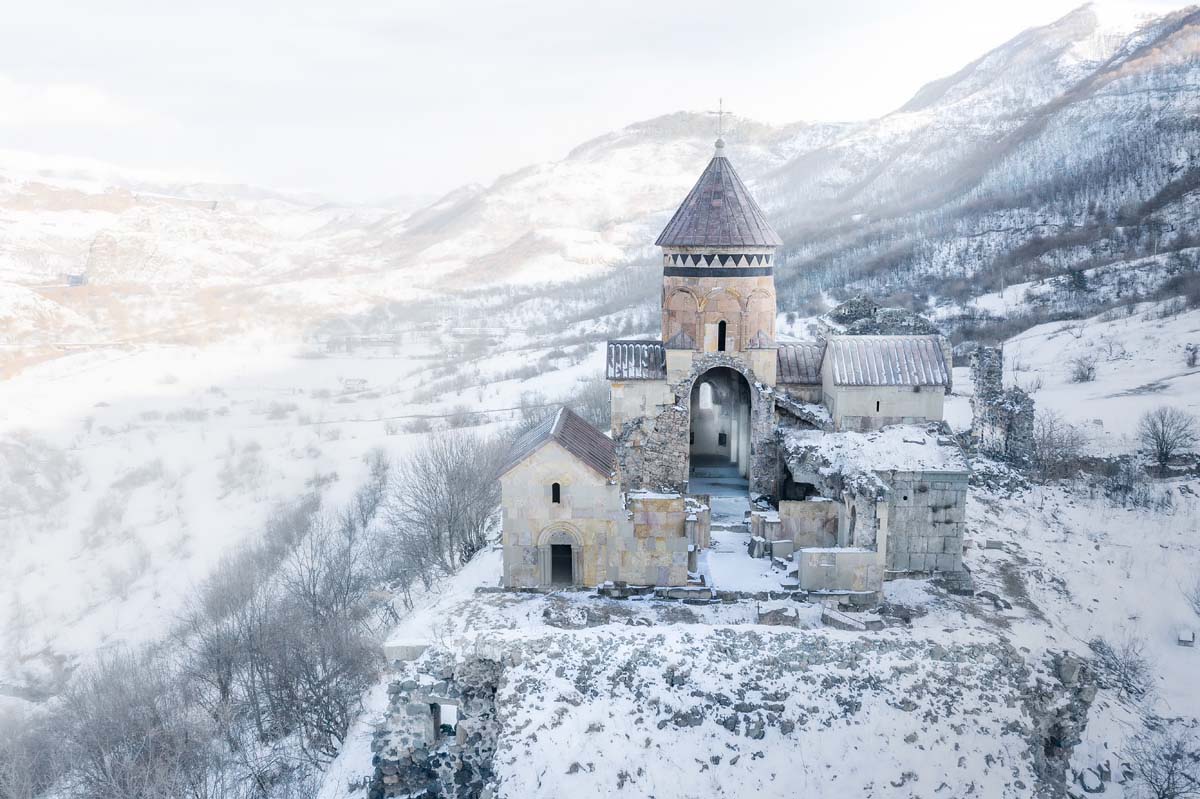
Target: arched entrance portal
(719, 452)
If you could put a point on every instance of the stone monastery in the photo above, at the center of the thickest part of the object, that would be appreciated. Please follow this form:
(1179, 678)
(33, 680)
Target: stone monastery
(827, 456)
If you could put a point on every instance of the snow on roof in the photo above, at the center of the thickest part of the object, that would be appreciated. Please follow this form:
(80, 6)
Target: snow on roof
(896, 448)
(887, 361)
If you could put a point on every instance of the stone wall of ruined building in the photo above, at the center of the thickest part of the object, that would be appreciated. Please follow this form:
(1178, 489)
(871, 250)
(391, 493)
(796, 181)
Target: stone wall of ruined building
(653, 450)
(1001, 419)
(927, 516)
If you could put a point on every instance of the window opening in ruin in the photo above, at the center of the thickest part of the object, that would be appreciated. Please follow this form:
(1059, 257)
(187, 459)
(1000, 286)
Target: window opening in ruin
(722, 440)
(720, 337)
(853, 524)
(445, 719)
(555, 493)
(706, 397)
(876, 406)
(562, 570)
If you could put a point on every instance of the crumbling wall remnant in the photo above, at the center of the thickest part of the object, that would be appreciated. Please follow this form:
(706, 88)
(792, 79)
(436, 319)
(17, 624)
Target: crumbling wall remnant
(1001, 420)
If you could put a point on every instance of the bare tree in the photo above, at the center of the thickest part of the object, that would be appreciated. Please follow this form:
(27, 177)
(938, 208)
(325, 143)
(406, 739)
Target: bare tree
(1166, 763)
(131, 733)
(1166, 431)
(1083, 368)
(1192, 595)
(1125, 665)
(1057, 445)
(443, 503)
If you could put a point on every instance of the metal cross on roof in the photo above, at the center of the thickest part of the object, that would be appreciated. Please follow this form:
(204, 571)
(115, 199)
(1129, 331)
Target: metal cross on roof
(720, 112)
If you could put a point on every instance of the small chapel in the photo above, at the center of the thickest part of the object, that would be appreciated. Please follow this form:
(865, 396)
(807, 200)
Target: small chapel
(826, 457)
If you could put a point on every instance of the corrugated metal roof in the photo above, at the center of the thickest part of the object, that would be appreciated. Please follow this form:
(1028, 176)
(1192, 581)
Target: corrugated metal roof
(887, 361)
(636, 360)
(719, 212)
(799, 363)
(574, 434)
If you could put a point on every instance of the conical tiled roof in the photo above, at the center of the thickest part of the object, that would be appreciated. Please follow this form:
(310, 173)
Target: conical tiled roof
(719, 212)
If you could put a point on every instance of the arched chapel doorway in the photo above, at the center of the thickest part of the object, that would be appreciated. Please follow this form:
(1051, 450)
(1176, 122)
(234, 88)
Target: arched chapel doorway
(719, 434)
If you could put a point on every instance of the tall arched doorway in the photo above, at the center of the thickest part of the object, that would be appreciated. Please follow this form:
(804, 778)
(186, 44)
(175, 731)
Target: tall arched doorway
(719, 449)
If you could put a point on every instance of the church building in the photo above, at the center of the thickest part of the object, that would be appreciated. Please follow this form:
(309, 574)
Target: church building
(718, 406)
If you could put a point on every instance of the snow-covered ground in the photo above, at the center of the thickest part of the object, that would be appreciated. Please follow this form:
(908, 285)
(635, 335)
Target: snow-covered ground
(1140, 365)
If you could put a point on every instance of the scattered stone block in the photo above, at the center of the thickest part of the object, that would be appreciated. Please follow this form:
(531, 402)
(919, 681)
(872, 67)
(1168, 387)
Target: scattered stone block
(404, 650)
(1186, 637)
(842, 621)
(992, 543)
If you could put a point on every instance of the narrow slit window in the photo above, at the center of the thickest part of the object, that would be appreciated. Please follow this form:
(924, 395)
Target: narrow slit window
(876, 406)
(722, 440)
(555, 493)
(721, 336)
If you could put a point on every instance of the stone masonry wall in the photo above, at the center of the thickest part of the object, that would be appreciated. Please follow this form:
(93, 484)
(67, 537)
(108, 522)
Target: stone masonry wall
(653, 450)
(926, 521)
(1001, 421)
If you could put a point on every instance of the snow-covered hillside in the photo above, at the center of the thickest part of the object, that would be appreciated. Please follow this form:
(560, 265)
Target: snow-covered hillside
(1069, 147)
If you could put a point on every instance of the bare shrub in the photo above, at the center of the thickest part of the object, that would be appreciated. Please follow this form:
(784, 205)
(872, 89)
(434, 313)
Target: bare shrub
(443, 502)
(462, 416)
(418, 425)
(1167, 431)
(1082, 368)
(1124, 666)
(1166, 763)
(1192, 595)
(130, 732)
(1130, 486)
(30, 757)
(1191, 355)
(1057, 445)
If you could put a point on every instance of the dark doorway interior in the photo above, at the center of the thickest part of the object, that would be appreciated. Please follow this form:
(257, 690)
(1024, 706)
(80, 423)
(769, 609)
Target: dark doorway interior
(562, 571)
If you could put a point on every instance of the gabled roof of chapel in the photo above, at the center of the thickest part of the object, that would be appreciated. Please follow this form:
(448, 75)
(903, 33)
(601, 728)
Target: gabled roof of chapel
(574, 434)
(719, 212)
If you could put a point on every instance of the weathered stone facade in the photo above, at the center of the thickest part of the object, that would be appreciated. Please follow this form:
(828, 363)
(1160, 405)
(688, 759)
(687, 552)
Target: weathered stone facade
(654, 450)
(1001, 420)
(927, 516)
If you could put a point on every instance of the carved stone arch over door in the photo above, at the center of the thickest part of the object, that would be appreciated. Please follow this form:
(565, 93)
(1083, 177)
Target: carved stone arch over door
(551, 559)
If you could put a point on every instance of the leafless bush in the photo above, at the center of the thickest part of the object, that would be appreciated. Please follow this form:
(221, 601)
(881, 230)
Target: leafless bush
(130, 732)
(1057, 445)
(1191, 355)
(1166, 763)
(1082, 368)
(443, 502)
(1130, 486)
(1125, 665)
(280, 410)
(418, 425)
(30, 756)
(1166, 431)
(1192, 595)
(462, 416)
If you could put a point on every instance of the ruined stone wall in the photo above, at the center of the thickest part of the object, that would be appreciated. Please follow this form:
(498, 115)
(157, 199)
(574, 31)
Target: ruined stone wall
(412, 757)
(1001, 420)
(809, 523)
(654, 550)
(653, 450)
(926, 520)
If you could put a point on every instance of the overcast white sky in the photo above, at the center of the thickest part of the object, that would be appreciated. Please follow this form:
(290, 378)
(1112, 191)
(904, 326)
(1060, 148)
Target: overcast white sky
(409, 97)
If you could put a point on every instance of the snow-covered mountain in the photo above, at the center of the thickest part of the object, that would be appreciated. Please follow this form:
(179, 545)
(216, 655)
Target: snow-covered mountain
(1069, 147)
